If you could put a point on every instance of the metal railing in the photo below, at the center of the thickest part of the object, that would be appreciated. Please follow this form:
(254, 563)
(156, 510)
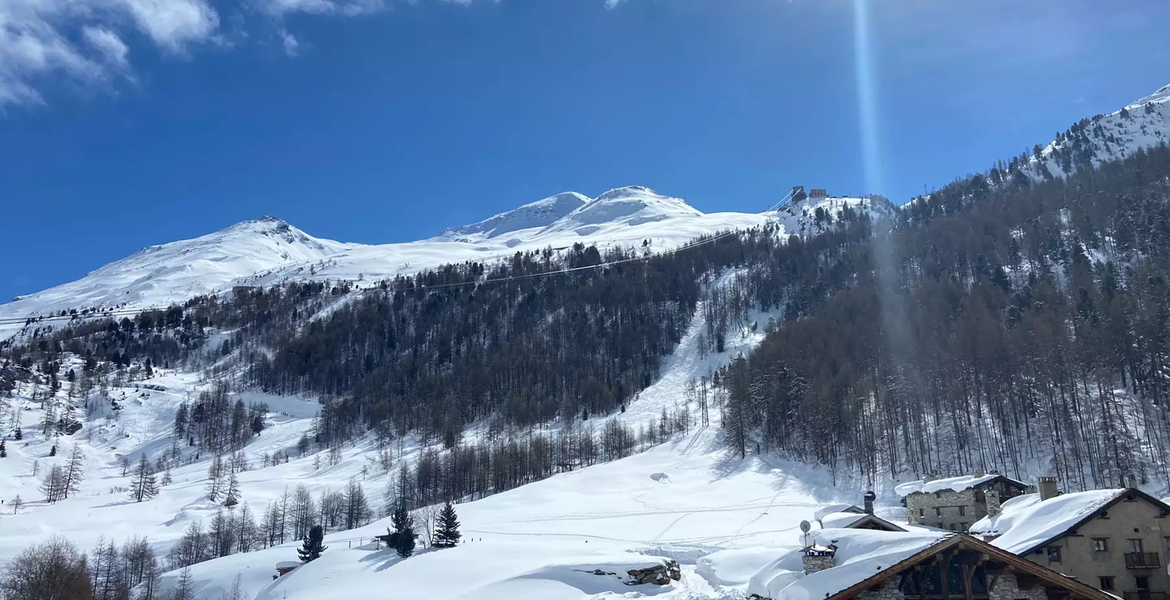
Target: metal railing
(1146, 595)
(1142, 560)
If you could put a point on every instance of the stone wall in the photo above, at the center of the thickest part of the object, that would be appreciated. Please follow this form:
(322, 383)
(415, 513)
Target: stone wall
(888, 591)
(922, 509)
(816, 563)
(1006, 588)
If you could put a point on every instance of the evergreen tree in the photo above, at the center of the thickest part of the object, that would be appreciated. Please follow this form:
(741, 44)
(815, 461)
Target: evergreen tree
(144, 486)
(215, 479)
(312, 547)
(401, 538)
(3, 450)
(447, 535)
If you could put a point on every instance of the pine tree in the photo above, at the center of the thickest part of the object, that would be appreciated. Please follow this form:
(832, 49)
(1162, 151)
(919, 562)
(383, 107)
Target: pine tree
(3, 450)
(144, 486)
(312, 547)
(184, 586)
(215, 479)
(232, 496)
(17, 503)
(448, 534)
(74, 472)
(402, 537)
(166, 478)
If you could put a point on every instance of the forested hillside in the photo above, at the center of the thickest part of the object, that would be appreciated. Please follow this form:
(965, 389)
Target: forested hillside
(999, 325)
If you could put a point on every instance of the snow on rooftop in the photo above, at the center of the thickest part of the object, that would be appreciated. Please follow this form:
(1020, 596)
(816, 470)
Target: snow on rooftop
(838, 508)
(861, 554)
(840, 520)
(1025, 522)
(954, 484)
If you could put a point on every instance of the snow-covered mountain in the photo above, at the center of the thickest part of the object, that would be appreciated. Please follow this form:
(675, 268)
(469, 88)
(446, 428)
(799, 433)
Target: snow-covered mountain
(270, 251)
(159, 275)
(1143, 123)
(541, 213)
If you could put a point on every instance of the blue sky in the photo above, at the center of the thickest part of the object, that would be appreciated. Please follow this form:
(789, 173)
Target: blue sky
(125, 123)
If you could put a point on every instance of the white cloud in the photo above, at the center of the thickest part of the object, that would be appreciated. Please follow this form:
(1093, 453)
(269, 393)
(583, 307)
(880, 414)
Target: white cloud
(290, 42)
(91, 42)
(172, 24)
(108, 44)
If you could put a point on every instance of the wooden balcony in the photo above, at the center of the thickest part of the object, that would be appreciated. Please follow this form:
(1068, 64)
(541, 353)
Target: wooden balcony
(1142, 560)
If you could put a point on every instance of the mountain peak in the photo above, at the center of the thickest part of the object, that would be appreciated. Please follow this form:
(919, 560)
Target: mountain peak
(542, 213)
(628, 191)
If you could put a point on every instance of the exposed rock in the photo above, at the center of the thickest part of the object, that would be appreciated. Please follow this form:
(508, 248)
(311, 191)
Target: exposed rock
(657, 575)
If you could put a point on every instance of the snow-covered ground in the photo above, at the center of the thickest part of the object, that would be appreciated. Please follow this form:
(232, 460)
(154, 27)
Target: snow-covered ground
(689, 500)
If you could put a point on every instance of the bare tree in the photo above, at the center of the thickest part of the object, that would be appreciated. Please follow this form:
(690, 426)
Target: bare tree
(51, 569)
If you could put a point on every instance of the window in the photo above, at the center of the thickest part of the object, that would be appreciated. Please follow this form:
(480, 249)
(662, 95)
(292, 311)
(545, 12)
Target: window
(1142, 583)
(962, 527)
(1100, 544)
(980, 496)
(962, 511)
(937, 511)
(1135, 546)
(1166, 545)
(1054, 554)
(1106, 583)
(922, 513)
(938, 494)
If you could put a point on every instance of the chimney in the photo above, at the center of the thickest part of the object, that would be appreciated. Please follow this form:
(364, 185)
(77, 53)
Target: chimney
(993, 502)
(869, 498)
(817, 558)
(1131, 481)
(1047, 487)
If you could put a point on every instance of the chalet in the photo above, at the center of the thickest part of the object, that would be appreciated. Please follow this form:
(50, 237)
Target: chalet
(954, 503)
(1116, 540)
(878, 565)
(847, 516)
(818, 193)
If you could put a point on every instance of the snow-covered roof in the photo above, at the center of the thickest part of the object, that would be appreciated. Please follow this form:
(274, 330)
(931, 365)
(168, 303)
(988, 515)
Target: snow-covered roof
(288, 564)
(849, 520)
(861, 553)
(955, 484)
(837, 508)
(1025, 522)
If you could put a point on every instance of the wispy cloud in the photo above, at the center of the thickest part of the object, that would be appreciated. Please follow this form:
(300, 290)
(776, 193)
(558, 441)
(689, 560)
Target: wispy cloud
(93, 42)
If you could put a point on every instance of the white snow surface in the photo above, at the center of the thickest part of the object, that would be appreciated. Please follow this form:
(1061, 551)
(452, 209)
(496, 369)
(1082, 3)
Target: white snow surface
(955, 484)
(860, 554)
(1145, 124)
(270, 251)
(1025, 522)
(689, 499)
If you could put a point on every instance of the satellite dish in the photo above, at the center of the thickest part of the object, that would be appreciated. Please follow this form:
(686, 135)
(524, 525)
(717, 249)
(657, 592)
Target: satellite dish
(805, 526)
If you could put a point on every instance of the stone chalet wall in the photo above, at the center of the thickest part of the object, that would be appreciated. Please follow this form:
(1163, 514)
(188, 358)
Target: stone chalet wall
(948, 502)
(1005, 588)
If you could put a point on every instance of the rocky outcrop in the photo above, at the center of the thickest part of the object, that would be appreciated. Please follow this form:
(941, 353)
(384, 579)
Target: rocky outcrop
(657, 575)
